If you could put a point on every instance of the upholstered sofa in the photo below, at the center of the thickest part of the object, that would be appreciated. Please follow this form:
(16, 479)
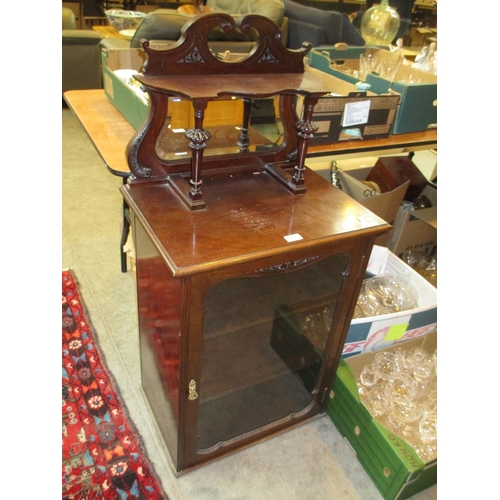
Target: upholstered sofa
(81, 58)
(166, 25)
(318, 27)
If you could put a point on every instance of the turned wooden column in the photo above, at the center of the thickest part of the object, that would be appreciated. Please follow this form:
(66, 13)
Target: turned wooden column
(198, 137)
(243, 140)
(305, 130)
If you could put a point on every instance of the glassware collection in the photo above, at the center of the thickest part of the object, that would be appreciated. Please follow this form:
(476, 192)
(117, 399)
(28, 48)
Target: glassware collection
(316, 324)
(399, 388)
(382, 294)
(387, 66)
(423, 263)
(385, 294)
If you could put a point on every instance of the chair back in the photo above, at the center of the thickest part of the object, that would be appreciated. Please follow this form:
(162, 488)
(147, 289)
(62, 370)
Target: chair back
(68, 19)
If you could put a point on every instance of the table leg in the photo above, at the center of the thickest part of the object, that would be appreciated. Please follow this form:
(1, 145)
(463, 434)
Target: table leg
(125, 232)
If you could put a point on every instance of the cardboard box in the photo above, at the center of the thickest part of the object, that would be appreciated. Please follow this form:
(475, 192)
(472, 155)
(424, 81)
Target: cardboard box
(379, 332)
(349, 114)
(426, 3)
(390, 172)
(419, 35)
(417, 108)
(392, 464)
(418, 103)
(385, 205)
(416, 230)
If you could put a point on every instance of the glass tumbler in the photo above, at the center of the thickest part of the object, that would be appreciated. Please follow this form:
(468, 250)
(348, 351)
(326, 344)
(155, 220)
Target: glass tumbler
(401, 388)
(376, 401)
(390, 66)
(385, 365)
(428, 426)
(369, 376)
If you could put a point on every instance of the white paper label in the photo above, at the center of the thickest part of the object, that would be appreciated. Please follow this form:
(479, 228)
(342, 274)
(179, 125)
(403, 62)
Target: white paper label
(356, 113)
(293, 237)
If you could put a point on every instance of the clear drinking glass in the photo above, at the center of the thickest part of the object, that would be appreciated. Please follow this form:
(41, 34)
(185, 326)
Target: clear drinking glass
(376, 401)
(399, 356)
(401, 388)
(389, 66)
(410, 432)
(405, 412)
(368, 63)
(390, 294)
(428, 426)
(369, 376)
(385, 365)
(423, 368)
(411, 78)
(430, 402)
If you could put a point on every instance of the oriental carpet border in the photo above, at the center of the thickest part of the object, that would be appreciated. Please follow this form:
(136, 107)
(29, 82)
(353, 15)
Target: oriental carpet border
(103, 454)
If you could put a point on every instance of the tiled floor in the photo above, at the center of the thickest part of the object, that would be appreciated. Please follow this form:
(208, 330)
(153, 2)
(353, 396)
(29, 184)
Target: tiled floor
(309, 463)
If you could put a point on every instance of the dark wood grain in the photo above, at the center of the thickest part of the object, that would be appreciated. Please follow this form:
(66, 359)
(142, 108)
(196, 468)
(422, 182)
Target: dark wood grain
(189, 70)
(252, 212)
(214, 263)
(240, 233)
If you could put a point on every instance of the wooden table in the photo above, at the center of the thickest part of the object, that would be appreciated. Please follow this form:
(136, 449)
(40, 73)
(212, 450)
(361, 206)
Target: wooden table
(108, 130)
(394, 144)
(109, 31)
(110, 133)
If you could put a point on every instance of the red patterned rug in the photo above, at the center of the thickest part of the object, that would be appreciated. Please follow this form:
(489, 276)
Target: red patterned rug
(102, 456)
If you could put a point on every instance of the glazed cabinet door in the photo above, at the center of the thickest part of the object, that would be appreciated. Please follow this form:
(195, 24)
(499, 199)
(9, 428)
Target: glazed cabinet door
(262, 353)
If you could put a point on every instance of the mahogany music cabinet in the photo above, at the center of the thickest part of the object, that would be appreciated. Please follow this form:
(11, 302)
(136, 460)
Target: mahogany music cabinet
(245, 288)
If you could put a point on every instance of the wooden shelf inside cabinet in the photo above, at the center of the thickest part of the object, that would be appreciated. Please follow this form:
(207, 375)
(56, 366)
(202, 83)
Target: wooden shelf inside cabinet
(244, 320)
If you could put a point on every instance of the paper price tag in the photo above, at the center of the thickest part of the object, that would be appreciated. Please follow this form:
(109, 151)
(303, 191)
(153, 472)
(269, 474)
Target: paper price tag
(293, 237)
(356, 113)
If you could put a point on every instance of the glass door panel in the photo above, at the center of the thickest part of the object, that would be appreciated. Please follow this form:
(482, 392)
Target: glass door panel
(264, 336)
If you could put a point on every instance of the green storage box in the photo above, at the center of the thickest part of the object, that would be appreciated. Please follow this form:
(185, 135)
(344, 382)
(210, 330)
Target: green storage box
(134, 109)
(417, 109)
(392, 464)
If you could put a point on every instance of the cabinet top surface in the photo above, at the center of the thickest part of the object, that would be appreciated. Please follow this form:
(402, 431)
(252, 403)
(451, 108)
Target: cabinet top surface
(248, 216)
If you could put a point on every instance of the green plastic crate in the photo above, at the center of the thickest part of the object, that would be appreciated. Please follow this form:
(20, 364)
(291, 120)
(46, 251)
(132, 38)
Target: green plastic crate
(392, 464)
